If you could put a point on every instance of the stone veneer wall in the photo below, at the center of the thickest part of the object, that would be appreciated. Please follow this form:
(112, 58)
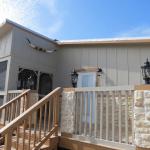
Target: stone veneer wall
(142, 118)
(68, 111)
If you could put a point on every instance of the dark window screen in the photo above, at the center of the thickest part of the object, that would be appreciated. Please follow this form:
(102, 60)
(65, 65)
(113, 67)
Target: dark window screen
(1, 100)
(45, 83)
(27, 79)
(3, 68)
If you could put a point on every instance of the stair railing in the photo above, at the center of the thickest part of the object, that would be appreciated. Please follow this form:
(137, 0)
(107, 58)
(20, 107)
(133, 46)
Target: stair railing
(14, 108)
(36, 125)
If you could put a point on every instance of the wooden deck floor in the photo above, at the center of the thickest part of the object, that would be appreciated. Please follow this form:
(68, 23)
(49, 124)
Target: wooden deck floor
(71, 144)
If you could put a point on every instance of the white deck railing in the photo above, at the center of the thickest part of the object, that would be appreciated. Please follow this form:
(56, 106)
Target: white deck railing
(14, 107)
(11, 94)
(105, 113)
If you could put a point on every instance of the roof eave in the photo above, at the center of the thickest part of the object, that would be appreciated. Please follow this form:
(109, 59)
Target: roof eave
(8, 22)
(4, 28)
(106, 42)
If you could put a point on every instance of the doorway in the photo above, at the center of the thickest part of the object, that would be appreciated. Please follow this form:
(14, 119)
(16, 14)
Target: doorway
(45, 84)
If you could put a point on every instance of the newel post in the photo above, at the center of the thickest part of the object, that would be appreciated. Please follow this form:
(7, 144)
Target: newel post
(8, 140)
(142, 117)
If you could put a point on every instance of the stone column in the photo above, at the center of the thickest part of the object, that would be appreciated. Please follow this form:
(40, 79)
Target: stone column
(68, 111)
(142, 119)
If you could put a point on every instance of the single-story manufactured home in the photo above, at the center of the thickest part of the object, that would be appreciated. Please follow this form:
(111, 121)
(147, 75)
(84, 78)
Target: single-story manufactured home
(25, 53)
(106, 110)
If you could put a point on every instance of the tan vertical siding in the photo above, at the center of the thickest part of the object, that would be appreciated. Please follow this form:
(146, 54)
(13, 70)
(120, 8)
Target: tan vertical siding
(85, 57)
(92, 56)
(134, 65)
(144, 54)
(102, 62)
(121, 64)
(25, 57)
(5, 44)
(111, 67)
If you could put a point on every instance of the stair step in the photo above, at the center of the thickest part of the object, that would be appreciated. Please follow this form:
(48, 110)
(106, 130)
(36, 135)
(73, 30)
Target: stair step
(26, 144)
(32, 135)
(3, 148)
(26, 136)
(44, 147)
(50, 143)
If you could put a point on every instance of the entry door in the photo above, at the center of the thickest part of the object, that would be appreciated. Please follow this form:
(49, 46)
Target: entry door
(45, 84)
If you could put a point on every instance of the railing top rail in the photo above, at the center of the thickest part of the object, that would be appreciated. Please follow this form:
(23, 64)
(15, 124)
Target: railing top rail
(103, 89)
(2, 93)
(15, 91)
(14, 99)
(13, 124)
(142, 87)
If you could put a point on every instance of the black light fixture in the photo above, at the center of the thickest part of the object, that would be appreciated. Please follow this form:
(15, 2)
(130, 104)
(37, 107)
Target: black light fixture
(30, 82)
(146, 72)
(99, 71)
(74, 78)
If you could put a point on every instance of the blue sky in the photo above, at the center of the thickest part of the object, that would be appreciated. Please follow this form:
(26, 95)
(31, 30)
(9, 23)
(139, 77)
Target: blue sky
(81, 19)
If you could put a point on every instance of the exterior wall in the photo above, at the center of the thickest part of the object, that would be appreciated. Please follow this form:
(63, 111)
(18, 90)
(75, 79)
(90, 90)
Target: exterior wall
(25, 57)
(121, 64)
(5, 44)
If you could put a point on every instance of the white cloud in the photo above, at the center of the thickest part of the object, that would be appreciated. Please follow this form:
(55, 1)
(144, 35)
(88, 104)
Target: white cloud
(19, 11)
(28, 13)
(51, 4)
(55, 15)
(142, 31)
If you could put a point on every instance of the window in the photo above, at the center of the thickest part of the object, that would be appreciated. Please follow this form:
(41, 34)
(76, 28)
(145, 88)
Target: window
(27, 79)
(1, 100)
(87, 79)
(3, 68)
(45, 83)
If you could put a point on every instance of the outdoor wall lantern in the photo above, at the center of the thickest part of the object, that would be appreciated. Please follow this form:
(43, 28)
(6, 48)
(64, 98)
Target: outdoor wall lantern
(30, 83)
(74, 78)
(146, 72)
(99, 72)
